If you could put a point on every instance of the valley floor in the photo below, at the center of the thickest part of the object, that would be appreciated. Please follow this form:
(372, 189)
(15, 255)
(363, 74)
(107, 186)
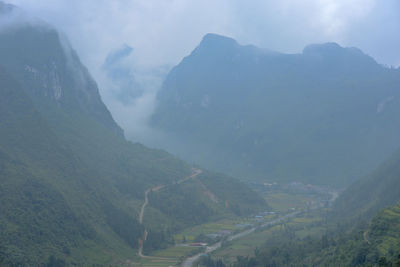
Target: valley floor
(293, 208)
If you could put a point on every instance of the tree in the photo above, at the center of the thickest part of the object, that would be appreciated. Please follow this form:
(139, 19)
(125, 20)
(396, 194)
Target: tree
(383, 262)
(55, 262)
(397, 261)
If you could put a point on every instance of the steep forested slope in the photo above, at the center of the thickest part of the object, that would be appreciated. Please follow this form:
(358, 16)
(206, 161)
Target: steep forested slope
(371, 193)
(377, 245)
(327, 115)
(71, 186)
(361, 229)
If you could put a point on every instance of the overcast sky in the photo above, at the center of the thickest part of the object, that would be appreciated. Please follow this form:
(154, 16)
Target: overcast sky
(162, 32)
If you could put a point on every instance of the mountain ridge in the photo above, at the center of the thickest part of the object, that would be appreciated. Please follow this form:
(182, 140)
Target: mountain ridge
(241, 104)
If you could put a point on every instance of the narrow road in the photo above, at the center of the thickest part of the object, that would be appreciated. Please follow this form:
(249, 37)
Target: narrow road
(146, 201)
(195, 173)
(189, 261)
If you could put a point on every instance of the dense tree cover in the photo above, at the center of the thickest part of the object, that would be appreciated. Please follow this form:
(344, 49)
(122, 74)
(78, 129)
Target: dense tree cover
(55, 262)
(375, 245)
(158, 239)
(183, 202)
(327, 115)
(71, 185)
(237, 198)
(208, 262)
(368, 195)
(198, 200)
(59, 175)
(358, 231)
(128, 228)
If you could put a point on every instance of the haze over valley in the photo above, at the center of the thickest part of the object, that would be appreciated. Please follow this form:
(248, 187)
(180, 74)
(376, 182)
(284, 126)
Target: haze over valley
(229, 134)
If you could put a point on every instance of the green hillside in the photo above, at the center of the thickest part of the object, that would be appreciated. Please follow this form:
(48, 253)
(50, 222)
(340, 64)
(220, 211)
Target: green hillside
(71, 186)
(375, 245)
(368, 195)
(325, 116)
(361, 229)
(378, 245)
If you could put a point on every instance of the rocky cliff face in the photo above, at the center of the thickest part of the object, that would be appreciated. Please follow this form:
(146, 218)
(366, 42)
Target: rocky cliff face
(43, 61)
(327, 115)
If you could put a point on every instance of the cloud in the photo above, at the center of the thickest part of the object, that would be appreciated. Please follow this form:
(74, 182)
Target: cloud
(288, 25)
(162, 32)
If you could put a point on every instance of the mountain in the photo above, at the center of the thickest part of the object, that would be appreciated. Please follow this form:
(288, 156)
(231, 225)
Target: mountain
(72, 187)
(367, 196)
(326, 116)
(48, 68)
(361, 229)
(364, 227)
(377, 245)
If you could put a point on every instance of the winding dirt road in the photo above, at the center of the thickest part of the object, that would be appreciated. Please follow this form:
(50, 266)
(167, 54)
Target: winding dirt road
(146, 201)
(195, 173)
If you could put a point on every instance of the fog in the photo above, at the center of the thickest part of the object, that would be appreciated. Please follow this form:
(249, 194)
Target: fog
(161, 33)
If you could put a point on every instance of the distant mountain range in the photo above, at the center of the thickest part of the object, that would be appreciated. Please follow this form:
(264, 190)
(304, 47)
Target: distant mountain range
(328, 115)
(71, 186)
(72, 189)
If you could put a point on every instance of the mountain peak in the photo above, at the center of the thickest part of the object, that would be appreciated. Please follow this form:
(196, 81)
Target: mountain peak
(212, 40)
(50, 70)
(213, 37)
(335, 52)
(325, 48)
